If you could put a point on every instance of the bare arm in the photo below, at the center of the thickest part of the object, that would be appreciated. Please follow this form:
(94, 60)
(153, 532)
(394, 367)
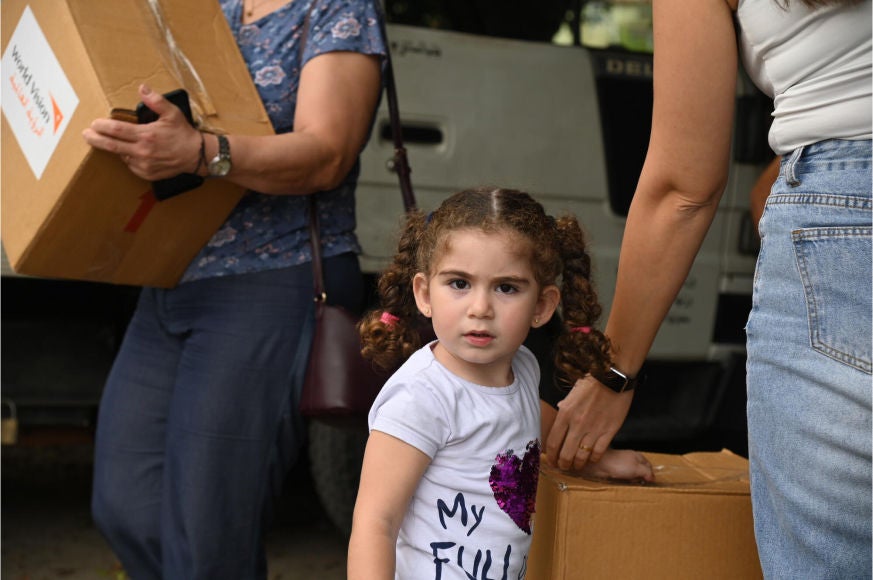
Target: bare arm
(391, 472)
(335, 104)
(681, 183)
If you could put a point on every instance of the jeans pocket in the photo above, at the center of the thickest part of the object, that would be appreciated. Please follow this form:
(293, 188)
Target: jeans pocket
(835, 268)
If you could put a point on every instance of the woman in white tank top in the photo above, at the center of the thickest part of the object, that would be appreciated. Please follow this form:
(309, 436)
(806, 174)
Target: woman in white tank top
(809, 332)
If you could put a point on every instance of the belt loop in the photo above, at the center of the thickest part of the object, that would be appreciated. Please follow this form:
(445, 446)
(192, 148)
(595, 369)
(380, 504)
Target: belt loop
(791, 166)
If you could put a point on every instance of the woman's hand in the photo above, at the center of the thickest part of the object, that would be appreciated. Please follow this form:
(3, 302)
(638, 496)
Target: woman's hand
(621, 464)
(587, 420)
(158, 150)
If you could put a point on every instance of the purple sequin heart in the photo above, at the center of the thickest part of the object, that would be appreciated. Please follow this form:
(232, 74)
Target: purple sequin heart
(514, 483)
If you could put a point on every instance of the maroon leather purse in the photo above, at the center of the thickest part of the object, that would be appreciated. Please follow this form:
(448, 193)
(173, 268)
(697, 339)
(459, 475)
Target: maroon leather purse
(340, 385)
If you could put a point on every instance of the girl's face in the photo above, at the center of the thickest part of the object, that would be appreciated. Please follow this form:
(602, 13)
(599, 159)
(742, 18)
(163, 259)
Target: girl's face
(483, 299)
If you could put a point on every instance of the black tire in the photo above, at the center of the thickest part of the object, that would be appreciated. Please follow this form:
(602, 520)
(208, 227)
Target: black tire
(335, 457)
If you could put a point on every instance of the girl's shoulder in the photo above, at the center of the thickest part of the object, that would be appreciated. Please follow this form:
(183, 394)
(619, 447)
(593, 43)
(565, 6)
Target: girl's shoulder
(419, 361)
(526, 367)
(525, 356)
(416, 375)
(414, 406)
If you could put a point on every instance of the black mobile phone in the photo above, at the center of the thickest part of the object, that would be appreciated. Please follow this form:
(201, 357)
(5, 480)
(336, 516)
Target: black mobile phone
(172, 186)
(178, 97)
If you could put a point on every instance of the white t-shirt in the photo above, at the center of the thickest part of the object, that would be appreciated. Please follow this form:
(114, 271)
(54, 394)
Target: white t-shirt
(470, 516)
(815, 64)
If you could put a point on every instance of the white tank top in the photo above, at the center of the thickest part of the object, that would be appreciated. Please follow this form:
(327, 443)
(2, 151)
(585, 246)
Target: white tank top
(815, 64)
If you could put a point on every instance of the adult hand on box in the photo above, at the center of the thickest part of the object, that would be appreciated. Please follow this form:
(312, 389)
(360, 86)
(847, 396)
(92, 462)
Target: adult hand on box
(621, 464)
(159, 150)
(587, 420)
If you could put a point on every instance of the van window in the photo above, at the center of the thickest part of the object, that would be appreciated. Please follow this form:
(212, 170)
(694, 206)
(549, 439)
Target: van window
(618, 35)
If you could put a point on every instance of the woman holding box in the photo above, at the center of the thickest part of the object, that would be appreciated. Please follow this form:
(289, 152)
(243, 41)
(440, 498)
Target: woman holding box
(197, 424)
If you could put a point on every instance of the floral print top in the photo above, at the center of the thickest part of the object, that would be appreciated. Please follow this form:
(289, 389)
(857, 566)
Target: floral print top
(271, 231)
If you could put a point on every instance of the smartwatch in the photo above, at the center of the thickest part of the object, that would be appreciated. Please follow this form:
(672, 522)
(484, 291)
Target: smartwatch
(220, 164)
(616, 380)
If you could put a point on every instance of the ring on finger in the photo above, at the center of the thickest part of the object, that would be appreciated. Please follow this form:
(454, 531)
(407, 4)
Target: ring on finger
(586, 448)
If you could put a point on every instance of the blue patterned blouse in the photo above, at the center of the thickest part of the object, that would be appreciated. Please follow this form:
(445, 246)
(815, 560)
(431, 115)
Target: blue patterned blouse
(271, 231)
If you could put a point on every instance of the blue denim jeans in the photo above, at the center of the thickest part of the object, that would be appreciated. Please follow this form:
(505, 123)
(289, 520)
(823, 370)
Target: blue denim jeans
(809, 367)
(197, 426)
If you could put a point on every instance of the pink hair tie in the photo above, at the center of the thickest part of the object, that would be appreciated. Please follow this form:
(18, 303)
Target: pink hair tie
(582, 329)
(388, 319)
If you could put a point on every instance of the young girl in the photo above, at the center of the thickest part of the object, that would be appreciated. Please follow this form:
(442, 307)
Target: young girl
(450, 471)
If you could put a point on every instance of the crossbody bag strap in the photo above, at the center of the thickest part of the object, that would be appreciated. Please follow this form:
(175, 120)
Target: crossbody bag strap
(400, 160)
(320, 294)
(315, 241)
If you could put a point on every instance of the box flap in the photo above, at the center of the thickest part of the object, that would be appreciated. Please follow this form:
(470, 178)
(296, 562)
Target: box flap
(163, 41)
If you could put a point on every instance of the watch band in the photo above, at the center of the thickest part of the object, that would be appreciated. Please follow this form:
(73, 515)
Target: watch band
(616, 380)
(220, 164)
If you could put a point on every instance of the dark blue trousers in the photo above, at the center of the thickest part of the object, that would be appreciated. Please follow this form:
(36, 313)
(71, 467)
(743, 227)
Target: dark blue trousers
(197, 425)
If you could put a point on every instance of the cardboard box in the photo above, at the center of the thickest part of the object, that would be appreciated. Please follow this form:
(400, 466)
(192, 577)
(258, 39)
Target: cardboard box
(694, 522)
(69, 211)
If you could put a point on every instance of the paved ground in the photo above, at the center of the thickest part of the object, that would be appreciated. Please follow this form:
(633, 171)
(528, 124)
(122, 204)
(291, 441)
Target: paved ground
(47, 532)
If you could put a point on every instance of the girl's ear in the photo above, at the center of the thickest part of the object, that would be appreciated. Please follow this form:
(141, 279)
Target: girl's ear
(547, 303)
(421, 291)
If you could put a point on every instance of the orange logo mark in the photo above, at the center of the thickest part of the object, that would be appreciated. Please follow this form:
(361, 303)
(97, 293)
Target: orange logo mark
(59, 117)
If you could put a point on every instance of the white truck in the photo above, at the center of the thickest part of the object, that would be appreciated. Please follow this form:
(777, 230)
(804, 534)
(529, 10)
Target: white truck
(570, 125)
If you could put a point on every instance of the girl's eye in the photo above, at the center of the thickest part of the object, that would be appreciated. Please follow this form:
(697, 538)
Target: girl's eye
(506, 288)
(459, 284)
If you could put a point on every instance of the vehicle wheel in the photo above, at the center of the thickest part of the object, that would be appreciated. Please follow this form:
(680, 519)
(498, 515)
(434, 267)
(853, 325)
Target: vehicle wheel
(335, 457)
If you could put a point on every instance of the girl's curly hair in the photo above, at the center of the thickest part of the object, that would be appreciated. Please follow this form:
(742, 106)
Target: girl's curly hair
(558, 255)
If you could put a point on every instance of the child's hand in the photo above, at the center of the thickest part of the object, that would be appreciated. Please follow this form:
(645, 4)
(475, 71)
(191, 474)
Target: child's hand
(622, 464)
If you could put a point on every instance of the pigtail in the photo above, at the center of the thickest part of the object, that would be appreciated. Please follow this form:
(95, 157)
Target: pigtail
(580, 348)
(391, 333)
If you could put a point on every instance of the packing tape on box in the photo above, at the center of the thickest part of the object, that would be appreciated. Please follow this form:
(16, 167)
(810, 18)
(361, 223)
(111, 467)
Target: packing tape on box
(686, 475)
(185, 72)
